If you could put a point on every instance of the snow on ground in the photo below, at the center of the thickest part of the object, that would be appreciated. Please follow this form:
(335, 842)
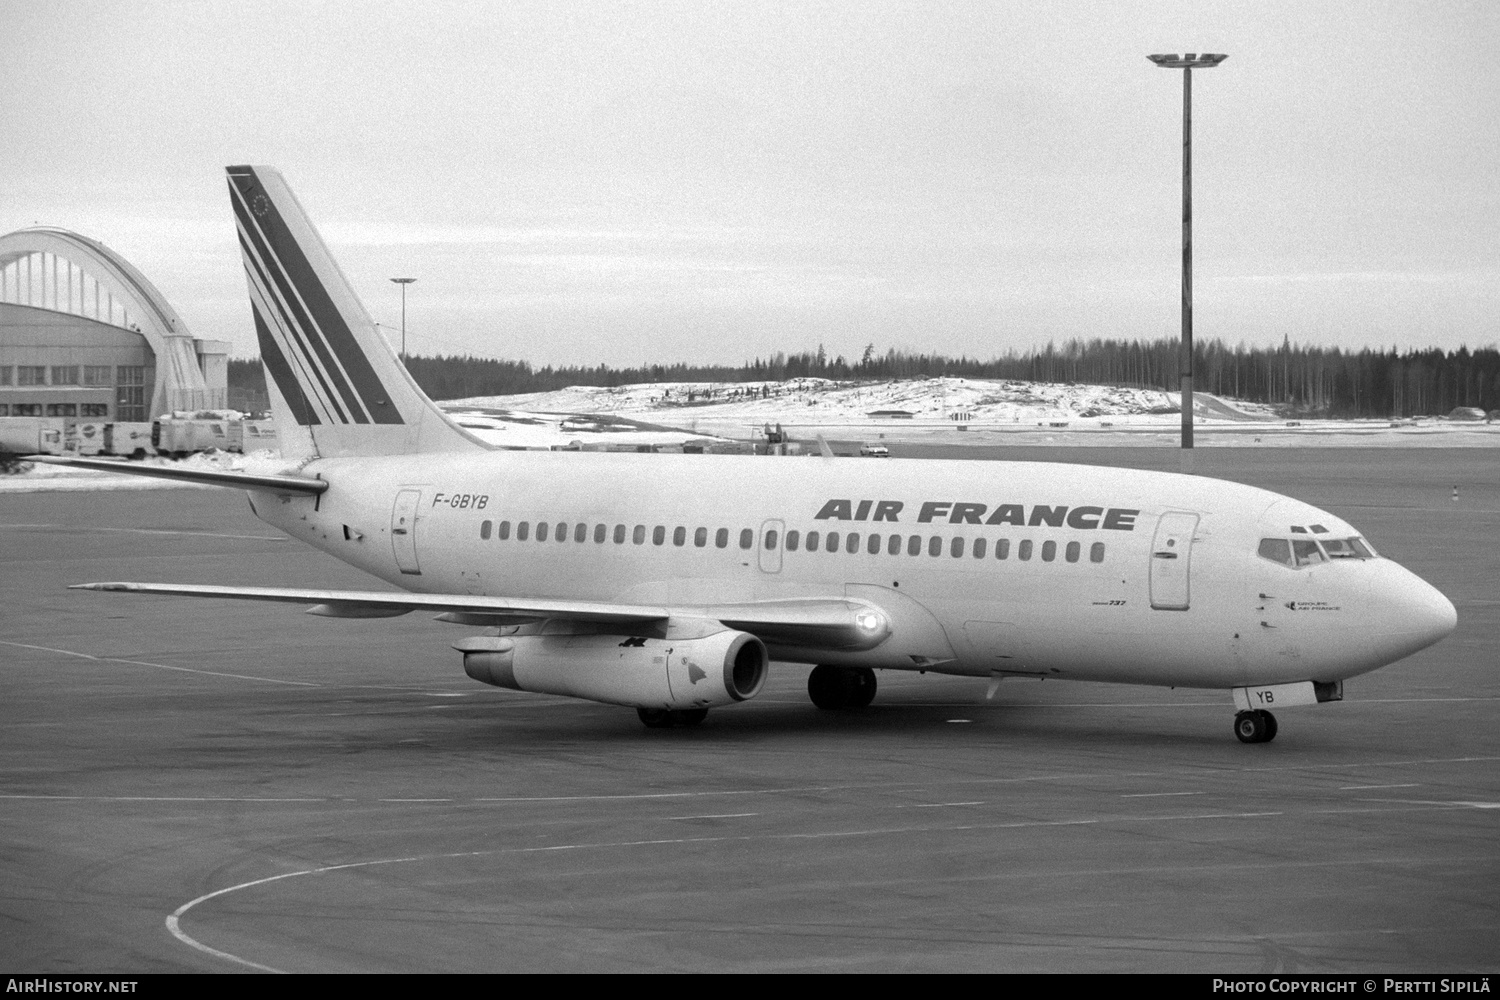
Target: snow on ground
(815, 401)
(671, 415)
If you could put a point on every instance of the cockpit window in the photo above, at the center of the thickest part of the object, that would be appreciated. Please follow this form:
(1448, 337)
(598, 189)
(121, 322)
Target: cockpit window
(1276, 550)
(1348, 548)
(1307, 552)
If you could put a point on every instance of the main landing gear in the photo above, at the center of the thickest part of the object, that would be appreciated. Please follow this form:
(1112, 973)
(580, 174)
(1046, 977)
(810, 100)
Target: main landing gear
(1258, 726)
(666, 718)
(841, 687)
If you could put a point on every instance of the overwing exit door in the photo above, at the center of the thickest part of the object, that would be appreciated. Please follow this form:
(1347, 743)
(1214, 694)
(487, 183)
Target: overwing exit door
(404, 531)
(1171, 561)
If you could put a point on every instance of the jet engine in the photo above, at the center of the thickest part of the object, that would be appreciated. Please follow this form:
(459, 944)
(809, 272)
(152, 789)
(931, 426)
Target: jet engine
(703, 672)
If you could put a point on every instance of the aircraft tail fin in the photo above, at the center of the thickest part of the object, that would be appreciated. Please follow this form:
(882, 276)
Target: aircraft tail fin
(336, 387)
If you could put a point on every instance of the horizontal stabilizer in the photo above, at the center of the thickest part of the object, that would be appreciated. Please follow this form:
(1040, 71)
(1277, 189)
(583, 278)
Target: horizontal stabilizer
(825, 623)
(204, 477)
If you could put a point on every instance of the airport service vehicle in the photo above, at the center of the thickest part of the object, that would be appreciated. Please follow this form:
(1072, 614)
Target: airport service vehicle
(669, 583)
(874, 451)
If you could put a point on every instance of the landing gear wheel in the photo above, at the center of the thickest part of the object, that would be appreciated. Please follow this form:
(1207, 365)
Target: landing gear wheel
(830, 687)
(1270, 725)
(1251, 727)
(689, 716)
(863, 688)
(656, 718)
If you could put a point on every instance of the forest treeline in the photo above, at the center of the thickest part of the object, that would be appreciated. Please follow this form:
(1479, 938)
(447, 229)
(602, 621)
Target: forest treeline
(1305, 380)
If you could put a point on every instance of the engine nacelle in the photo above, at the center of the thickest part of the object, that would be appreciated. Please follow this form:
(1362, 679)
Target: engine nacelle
(718, 669)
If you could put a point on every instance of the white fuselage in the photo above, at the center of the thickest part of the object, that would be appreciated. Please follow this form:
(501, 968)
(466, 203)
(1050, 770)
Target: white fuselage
(1111, 575)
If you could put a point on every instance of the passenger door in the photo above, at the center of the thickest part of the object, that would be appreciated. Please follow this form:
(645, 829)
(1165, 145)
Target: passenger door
(1171, 561)
(404, 531)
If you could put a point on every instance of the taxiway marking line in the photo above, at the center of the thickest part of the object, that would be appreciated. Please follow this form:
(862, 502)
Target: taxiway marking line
(159, 798)
(717, 816)
(1156, 795)
(159, 666)
(938, 805)
(174, 921)
(151, 531)
(1364, 788)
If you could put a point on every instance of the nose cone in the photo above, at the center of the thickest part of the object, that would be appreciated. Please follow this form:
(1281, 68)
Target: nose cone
(1415, 614)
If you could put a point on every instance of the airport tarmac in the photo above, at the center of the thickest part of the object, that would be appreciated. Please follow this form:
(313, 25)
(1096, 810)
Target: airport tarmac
(197, 785)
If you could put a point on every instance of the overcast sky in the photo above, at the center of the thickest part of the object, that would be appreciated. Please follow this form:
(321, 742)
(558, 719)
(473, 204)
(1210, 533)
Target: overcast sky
(643, 182)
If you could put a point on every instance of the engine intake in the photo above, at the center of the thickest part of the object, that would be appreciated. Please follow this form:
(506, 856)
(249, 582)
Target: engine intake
(706, 672)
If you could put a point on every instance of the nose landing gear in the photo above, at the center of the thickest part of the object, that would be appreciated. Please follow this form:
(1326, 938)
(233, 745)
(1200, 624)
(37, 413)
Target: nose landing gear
(841, 687)
(1258, 726)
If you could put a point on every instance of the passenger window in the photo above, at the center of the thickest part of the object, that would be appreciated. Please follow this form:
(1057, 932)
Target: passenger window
(793, 538)
(1306, 551)
(1025, 550)
(935, 545)
(872, 546)
(832, 544)
(771, 539)
(484, 530)
(658, 535)
(504, 530)
(700, 537)
(893, 547)
(1049, 551)
(1073, 549)
(721, 538)
(914, 545)
(638, 536)
(521, 530)
(581, 533)
(1277, 550)
(957, 548)
(1002, 548)
(562, 533)
(1096, 552)
(851, 542)
(541, 531)
(979, 546)
(679, 536)
(812, 541)
(600, 531)
(619, 534)
(747, 538)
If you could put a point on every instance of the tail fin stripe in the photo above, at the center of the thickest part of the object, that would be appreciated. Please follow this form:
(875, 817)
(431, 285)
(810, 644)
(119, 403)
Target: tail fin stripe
(366, 384)
(315, 379)
(299, 365)
(295, 320)
(281, 372)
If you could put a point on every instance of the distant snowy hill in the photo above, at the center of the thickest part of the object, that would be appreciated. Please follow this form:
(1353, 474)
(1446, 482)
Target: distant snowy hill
(816, 401)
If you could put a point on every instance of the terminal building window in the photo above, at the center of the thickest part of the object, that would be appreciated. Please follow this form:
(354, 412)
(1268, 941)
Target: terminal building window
(97, 375)
(94, 409)
(26, 409)
(5, 374)
(64, 374)
(31, 374)
(62, 409)
(130, 397)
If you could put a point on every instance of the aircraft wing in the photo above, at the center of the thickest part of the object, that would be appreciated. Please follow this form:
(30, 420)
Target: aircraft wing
(205, 477)
(832, 623)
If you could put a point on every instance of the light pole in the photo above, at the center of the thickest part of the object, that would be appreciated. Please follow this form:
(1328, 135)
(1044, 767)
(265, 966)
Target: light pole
(403, 282)
(1187, 64)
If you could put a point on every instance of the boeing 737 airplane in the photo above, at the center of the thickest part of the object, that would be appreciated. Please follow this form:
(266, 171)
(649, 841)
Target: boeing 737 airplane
(669, 583)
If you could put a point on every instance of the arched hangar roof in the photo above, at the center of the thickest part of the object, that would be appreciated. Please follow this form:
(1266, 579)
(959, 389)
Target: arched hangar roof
(114, 282)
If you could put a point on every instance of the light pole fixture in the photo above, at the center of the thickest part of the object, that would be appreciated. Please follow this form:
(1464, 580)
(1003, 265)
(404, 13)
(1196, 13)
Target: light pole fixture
(1187, 64)
(403, 282)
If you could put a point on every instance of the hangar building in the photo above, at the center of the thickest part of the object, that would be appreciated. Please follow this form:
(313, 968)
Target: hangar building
(84, 334)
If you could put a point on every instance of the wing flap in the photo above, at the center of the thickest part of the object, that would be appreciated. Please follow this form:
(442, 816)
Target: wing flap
(204, 477)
